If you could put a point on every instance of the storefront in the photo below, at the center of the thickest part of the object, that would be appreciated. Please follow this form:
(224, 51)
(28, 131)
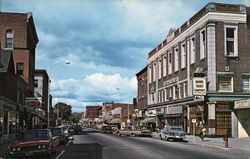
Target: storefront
(242, 111)
(173, 115)
(8, 119)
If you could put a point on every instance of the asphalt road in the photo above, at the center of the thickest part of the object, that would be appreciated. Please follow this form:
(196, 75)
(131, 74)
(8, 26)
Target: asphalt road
(91, 144)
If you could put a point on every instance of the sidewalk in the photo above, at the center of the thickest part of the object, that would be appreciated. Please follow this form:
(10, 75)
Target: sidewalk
(4, 149)
(235, 143)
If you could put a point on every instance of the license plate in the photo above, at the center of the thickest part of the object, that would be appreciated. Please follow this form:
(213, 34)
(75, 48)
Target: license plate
(29, 153)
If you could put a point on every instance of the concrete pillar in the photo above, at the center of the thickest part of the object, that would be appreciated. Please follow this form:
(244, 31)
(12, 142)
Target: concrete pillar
(211, 119)
(188, 120)
(211, 57)
(234, 125)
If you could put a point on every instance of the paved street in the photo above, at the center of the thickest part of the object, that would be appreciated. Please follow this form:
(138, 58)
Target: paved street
(91, 144)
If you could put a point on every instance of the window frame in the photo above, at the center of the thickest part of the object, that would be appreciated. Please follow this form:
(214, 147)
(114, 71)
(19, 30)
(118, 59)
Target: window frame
(170, 63)
(9, 38)
(183, 55)
(17, 69)
(235, 53)
(246, 77)
(203, 44)
(192, 50)
(232, 83)
(176, 59)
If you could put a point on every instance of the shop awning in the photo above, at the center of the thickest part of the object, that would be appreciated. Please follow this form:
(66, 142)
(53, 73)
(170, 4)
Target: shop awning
(149, 120)
(115, 121)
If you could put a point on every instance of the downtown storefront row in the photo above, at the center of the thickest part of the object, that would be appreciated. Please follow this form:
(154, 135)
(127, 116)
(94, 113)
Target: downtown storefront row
(218, 114)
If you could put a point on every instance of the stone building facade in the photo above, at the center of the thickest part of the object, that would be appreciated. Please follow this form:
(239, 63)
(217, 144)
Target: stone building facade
(200, 69)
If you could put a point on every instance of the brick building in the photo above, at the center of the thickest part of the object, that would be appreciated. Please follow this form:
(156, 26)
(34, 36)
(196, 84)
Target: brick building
(93, 112)
(41, 89)
(12, 98)
(18, 33)
(142, 92)
(200, 69)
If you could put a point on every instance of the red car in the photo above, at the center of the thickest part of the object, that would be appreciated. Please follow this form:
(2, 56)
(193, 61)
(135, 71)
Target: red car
(34, 143)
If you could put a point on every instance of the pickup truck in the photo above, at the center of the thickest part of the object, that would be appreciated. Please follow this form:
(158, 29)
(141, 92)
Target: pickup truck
(34, 143)
(134, 131)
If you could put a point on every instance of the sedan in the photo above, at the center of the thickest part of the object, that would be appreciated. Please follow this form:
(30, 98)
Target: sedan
(172, 132)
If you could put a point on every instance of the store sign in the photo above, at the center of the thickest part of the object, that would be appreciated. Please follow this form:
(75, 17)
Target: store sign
(151, 112)
(242, 104)
(173, 110)
(198, 98)
(159, 111)
(33, 101)
(171, 81)
(199, 86)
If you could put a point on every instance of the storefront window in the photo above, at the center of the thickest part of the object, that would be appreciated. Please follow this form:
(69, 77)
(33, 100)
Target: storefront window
(1, 122)
(12, 123)
(5, 122)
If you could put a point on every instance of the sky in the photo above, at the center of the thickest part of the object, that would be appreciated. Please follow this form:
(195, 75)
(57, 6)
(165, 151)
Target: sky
(106, 42)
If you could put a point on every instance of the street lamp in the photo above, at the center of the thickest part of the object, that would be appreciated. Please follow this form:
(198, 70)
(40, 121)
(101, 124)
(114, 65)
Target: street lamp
(48, 102)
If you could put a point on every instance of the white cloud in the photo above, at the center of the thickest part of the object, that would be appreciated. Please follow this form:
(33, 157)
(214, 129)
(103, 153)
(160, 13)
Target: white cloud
(93, 88)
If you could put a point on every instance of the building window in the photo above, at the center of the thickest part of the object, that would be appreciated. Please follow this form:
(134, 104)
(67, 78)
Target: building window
(176, 92)
(192, 50)
(202, 44)
(225, 83)
(36, 83)
(19, 68)
(154, 71)
(9, 39)
(170, 63)
(185, 89)
(231, 40)
(149, 74)
(164, 66)
(223, 120)
(170, 93)
(159, 96)
(159, 62)
(245, 84)
(163, 95)
(183, 56)
(176, 59)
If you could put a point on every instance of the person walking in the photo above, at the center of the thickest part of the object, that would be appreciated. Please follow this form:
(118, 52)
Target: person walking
(202, 133)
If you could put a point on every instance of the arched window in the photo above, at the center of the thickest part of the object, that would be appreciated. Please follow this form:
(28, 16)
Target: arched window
(9, 39)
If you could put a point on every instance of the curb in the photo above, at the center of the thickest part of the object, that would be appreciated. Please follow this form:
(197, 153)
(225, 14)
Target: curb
(213, 146)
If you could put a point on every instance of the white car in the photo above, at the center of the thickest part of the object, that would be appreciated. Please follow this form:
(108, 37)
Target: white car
(172, 132)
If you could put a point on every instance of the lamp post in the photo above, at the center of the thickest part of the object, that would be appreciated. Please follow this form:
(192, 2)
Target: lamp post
(48, 101)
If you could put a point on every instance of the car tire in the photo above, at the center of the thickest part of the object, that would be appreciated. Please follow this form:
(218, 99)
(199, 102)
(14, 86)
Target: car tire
(119, 134)
(133, 135)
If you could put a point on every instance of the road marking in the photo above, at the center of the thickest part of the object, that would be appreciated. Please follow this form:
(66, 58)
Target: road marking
(219, 147)
(60, 154)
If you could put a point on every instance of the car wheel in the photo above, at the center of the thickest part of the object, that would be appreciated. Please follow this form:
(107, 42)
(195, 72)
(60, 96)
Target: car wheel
(161, 137)
(119, 134)
(133, 135)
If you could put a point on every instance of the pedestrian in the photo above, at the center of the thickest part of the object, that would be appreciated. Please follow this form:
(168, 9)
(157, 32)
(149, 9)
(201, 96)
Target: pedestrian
(202, 133)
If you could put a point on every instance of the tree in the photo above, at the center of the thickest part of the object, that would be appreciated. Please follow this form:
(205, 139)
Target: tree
(64, 110)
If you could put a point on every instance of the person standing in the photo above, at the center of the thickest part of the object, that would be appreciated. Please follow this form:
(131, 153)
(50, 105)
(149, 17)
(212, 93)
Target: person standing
(202, 133)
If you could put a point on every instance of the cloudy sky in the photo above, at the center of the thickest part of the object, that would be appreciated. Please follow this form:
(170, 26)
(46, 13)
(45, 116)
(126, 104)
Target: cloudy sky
(106, 41)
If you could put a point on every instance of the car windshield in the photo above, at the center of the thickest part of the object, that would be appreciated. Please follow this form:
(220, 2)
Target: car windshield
(56, 131)
(175, 128)
(34, 134)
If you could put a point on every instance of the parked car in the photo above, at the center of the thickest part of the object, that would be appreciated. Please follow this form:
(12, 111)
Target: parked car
(58, 131)
(134, 131)
(34, 143)
(66, 131)
(172, 132)
(108, 129)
